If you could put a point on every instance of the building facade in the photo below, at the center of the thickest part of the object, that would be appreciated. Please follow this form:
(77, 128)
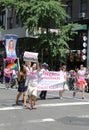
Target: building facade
(11, 23)
(78, 11)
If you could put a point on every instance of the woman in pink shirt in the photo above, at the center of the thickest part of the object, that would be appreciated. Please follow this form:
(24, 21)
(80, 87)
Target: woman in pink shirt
(81, 82)
(7, 73)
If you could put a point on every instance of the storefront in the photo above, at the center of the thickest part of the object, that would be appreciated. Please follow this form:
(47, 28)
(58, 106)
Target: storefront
(78, 52)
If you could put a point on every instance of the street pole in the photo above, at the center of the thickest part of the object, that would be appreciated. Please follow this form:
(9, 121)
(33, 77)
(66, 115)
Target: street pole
(6, 14)
(88, 48)
(42, 51)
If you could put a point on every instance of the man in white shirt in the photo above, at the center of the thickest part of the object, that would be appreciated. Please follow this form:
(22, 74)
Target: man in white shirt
(44, 92)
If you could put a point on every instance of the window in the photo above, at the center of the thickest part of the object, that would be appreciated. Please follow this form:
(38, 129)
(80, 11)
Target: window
(69, 10)
(1, 20)
(83, 7)
(10, 22)
(2, 17)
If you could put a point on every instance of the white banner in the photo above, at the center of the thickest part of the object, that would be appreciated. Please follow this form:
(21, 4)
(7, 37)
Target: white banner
(30, 56)
(51, 80)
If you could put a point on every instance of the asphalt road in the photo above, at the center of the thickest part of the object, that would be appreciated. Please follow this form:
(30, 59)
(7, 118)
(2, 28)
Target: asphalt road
(51, 114)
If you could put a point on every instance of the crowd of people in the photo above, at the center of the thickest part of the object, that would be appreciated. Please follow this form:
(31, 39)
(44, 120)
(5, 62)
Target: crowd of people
(28, 87)
(76, 80)
(28, 76)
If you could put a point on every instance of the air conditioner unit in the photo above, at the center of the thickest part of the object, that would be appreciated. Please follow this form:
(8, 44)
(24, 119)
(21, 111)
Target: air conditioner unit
(82, 15)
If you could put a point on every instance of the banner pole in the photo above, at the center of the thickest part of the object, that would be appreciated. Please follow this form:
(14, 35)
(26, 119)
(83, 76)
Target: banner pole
(18, 64)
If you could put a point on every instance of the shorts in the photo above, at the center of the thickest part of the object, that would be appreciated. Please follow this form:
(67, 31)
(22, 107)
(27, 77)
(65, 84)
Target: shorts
(7, 79)
(22, 87)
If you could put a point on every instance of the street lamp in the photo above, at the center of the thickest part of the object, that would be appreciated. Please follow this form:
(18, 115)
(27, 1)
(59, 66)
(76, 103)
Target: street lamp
(84, 51)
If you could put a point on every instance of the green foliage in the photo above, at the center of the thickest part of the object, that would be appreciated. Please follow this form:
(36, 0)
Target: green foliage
(1, 29)
(8, 3)
(45, 14)
(58, 43)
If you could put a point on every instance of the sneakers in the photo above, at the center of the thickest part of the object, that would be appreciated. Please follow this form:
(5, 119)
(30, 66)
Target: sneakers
(82, 97)
(73, 94)
(34, 107)
(42, 97)
(60, 97)
(30, 106)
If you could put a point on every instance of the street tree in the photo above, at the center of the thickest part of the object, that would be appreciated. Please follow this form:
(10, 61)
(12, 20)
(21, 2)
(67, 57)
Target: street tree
(46, 20)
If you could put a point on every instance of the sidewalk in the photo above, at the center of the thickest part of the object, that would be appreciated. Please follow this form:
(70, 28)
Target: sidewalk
(2, 86)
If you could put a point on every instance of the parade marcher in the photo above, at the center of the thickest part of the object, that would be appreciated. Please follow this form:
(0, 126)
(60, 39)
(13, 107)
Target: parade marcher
(87, 79)
(14, 79)
(22, 89)
(43, 69)
(1, 74)
(8, 76)
(81, 82)
(32, 85)
(64, 76)
(28, 70)
(71, 79)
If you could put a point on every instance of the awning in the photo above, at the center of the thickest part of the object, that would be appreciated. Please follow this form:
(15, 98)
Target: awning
(80, 27)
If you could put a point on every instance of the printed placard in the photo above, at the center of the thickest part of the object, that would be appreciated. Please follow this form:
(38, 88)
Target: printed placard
(10, 45)
(30, 56)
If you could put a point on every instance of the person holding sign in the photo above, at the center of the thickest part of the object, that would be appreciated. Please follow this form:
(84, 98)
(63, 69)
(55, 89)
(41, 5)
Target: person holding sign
(44, 93)
(32, 85)
(28, 71)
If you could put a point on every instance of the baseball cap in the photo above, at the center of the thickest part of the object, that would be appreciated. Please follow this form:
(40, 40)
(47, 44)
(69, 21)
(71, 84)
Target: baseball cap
(44, 64)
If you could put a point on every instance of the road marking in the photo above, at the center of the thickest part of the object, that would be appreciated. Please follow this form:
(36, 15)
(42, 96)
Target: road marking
(2, 124)
(11, 108)
(64, 104)
(5, 124)
(30, 121)
(79, 116)
(40, 120)
(46, 105)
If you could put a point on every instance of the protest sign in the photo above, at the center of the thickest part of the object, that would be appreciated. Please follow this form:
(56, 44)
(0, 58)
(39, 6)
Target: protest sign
(51, 80)
(10, 45)
(30, 56)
